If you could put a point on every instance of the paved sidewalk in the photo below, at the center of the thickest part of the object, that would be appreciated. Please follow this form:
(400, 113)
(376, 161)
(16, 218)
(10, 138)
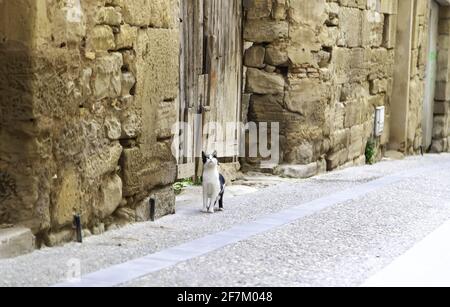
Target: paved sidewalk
(315, 234)
(427, 264)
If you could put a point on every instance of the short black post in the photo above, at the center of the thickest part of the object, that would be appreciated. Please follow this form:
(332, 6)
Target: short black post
(152, 209)
(77, 223)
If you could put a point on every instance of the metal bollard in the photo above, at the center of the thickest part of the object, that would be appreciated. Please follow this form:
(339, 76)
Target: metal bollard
(77, 223)
(152, 209)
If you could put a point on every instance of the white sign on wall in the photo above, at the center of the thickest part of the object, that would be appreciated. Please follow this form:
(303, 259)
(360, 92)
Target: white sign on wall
(379, 120)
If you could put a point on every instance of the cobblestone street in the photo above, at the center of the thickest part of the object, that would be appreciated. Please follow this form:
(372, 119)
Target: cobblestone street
(370, 225)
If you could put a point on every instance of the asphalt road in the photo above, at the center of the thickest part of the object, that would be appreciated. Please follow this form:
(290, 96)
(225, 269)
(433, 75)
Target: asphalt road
(377, 225)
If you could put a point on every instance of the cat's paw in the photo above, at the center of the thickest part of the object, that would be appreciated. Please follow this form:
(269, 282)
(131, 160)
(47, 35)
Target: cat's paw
(204, 210)
(221, 209)
(211, 210)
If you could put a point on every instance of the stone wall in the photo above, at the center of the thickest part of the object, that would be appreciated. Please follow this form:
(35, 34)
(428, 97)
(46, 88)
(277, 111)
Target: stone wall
(88, 94)
(320, 68)
(441, 129)
(419, 57)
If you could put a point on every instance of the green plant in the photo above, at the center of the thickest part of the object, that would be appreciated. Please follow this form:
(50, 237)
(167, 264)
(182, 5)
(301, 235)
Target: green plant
(370, 152)
(179, 186)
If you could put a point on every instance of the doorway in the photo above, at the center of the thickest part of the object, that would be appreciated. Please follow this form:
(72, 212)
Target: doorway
(210, 80)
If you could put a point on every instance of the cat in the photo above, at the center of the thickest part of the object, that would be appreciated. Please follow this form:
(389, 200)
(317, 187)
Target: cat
(213, 183)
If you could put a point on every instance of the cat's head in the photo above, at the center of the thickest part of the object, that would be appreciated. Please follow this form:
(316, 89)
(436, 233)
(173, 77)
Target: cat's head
(210, 161)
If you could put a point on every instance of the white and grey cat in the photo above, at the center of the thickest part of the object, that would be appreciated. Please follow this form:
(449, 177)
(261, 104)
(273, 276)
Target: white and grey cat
(213, 183)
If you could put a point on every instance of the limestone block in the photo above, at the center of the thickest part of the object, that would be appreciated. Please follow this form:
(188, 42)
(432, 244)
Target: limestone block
(85, 82)
(376, 101)
(336, 159)
(157, 65)
(261, 82)
(125, 215)
(297, 171)
(276, 54)
(351, 65)
(305, 37)
(68, 199)
(440, 127)
(299, 56)
(265, 31)
(356, 142)
(441, 107)
(389, 7)
(307, 96)
(270, 68)
(279, 10)
(351, 26)
(155, 13)
(60, 237)
(231, 171)
(143, 210)
(352, 114)
(439, 146)
(308, 12)
(337, 116)
(131, 125)
(165, 201)
(302, 154)
(101, 38)
(113, 128)
(258, 8)
(128, 82)
(378, 86)
(444, 26)
(442, 91)
(126, 38)
(379, 60)
(360, 4)
(266, 108)
(109, 16)
(104, 162)
(111, 191)
(15, 242)
(390, 31)
(167, 116)
(141, 172)
(372, 28)
(254, 56)
(64, 26)
(108, 76)
(340, 139)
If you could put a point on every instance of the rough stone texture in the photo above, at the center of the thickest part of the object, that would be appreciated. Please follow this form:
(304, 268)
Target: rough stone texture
(261, 82)
(16, 241)
(441, 127)
(301, 171)
(419, 60)
(88, 94)
(81, 83)
(336, 60)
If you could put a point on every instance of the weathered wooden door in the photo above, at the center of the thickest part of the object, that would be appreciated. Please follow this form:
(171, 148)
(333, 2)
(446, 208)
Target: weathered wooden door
(210, 79)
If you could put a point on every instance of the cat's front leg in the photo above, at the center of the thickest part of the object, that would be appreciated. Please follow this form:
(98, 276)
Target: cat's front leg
(211, 205)
(205, 201)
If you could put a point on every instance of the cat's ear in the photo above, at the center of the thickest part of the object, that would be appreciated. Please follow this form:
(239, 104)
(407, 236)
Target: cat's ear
(203, 157)
(215, 154)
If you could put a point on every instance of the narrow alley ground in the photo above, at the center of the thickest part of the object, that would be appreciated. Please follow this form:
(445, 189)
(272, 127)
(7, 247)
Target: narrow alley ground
(371, 225)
